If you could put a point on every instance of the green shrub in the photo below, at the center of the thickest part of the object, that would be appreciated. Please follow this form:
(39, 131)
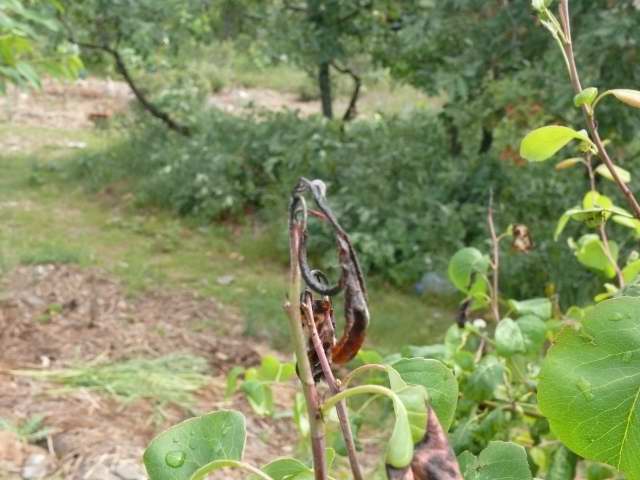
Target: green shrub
(392, 180)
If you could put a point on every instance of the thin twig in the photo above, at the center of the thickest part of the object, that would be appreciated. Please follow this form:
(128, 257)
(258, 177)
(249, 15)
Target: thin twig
(341, 407)
(311, 396)
(495, 260)
(567, 46)
(602, 230)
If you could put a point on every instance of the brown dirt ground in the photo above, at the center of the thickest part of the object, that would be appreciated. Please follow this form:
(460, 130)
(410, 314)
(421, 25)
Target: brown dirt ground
(94, 435)
(83, 103)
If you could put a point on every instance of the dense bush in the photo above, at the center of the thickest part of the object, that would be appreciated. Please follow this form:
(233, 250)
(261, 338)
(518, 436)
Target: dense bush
(409, 202)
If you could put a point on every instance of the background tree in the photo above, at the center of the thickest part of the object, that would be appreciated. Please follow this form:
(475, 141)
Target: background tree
(138, 32)
(30, 44)
(325, 36)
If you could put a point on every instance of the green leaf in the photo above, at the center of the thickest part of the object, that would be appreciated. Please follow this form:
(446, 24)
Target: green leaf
(500, 460)
(632, 223)
(540, 307)
(563, 464)
(604, 171)
(544, 142)
(439, 382)
(464, 265)
(259, 396)
(178, 452)
(415, 400)
(631, 271)
(400, 447)
(485, 379)
(629, 97)
(288, 469)
(509, 339)
(591, 254)
(534, 332)
(369, 357)
(589, 386)
(232, 381)
(437, 351)
(568, 163)
(585, 97)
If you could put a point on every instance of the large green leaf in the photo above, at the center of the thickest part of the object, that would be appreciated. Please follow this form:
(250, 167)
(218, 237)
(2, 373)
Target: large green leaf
(500, 460)
(591, 253)
(509, 339)
(464, 265)
(544, 142)
(534, 332)
(178, 452)
(439, 382)
(589, 386)
(484, 380)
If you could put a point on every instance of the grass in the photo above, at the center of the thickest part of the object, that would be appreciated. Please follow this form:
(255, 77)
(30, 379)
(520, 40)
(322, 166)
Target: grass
(50, 253)
(30, 430)
(172, 379)
(55, 220)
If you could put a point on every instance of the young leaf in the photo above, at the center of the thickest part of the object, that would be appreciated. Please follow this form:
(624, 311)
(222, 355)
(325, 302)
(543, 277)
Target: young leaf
(439, 382)
(623, 174)
(563, 465)
(629, 97)
(232, 381)
(585, 97)
(259, 396)
(591, 254)
(509, 339)
(589, 386)
(503, 460)
(544, 142)
(485, 379)
(568, 163)
(534, 332)
(288, 469)
(631, 271)
(463, 265)
(540, 307)
(178, 452)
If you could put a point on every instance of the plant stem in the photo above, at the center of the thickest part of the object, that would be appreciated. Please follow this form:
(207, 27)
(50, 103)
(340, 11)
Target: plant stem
(341, 407)
(607, 251)
(567, 47)
(495, 261)
(359, 390)
(316, 428)
(602, 229)
(363, 368)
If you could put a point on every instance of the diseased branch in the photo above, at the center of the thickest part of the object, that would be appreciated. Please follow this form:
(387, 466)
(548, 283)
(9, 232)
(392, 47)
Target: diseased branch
(567, 46)
(351, 112)
(311, 396)
(334, 387)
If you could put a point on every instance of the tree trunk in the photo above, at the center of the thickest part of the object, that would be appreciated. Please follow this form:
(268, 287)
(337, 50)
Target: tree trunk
(324, 82)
